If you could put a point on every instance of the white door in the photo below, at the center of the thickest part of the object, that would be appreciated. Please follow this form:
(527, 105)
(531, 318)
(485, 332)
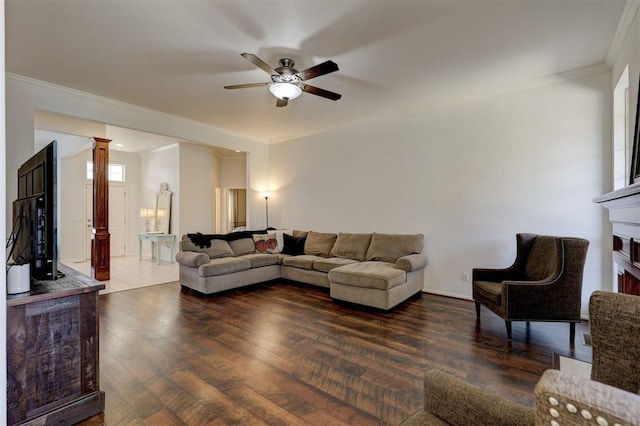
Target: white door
(117, 219)
(88, 219)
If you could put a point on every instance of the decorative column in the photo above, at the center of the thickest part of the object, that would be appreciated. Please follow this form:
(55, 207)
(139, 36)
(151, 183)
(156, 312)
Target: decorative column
(101, 241)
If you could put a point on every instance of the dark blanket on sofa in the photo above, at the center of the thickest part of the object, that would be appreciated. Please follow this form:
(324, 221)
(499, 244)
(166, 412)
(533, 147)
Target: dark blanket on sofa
(204, 240)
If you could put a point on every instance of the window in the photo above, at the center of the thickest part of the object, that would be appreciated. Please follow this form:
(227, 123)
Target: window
(621, 141)
(116, 172)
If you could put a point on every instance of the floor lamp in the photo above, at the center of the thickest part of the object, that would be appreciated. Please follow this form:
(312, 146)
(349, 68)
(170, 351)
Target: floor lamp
(266, 207)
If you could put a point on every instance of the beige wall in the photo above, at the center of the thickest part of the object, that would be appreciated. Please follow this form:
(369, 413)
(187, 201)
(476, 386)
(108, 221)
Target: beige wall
(467, 175)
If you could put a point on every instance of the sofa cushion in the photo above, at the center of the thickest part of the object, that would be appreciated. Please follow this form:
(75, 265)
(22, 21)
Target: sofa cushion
(242, 246)
(259, 260)
(541, 262)
(224, 265)
(192, 259)
(297, 233)
(213, 248)
(266, 243)
(390, 247)
(351, 246)
(319, 243)
(325, 265)
(293, 245)
(378, 275)
(304, 261)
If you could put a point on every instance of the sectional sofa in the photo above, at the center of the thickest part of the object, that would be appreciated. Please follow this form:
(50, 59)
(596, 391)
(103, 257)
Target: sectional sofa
(377, 270)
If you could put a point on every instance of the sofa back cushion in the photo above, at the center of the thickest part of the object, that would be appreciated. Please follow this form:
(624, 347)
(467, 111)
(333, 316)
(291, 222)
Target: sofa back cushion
(351, 246)
(319, 243)
(215, 249)
(391, 247)
(542, 261)
(299, 234)
(243, 246)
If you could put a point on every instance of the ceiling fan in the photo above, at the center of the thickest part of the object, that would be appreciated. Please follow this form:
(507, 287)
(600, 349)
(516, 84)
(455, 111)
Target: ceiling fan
(288, 83)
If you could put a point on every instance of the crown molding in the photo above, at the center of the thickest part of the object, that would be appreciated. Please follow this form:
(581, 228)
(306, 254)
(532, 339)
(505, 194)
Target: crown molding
(628, 15)
(454, 100)
(121, 104)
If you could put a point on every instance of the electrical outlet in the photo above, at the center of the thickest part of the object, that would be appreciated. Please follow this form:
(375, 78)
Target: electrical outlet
(465, 276)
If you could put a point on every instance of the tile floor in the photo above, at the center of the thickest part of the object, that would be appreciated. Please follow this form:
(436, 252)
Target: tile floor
(127, 272)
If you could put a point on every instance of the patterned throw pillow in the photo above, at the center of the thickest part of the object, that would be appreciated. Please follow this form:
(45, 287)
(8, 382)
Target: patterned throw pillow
(266, 243)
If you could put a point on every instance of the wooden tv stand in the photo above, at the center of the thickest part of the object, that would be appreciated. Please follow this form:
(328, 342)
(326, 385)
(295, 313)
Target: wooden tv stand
(53, 374)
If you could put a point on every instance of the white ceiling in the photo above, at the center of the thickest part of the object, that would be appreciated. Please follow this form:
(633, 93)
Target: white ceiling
(175, 56)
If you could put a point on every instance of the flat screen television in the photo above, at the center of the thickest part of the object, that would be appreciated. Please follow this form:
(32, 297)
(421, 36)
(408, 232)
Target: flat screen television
(35, 216)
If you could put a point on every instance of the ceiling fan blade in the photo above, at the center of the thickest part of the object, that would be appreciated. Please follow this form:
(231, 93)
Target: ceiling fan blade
(281, 102)
(245, 86)
(318, 70)
(321, 92)
(259, 63)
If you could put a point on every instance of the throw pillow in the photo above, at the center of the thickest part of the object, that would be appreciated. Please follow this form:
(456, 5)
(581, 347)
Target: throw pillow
(293, 245)
(297, 233)
(266, 243)
(279, 234)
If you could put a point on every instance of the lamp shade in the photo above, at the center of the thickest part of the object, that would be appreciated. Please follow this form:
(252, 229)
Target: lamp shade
(147, 212)
(161, 213)
(286, 91)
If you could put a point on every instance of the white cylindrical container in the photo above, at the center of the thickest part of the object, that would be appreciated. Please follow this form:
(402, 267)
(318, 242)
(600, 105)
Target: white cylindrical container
(18, 279)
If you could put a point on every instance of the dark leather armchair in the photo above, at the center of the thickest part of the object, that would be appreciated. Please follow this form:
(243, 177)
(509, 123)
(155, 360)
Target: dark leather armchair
(611, 396)
(543, 284)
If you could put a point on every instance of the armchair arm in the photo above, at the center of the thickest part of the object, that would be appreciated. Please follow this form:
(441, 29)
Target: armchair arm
(192, 258)
(459, 403)
(571, 400)
(411, 262)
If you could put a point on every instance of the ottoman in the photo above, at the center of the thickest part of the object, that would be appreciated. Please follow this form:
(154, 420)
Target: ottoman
(370, 283)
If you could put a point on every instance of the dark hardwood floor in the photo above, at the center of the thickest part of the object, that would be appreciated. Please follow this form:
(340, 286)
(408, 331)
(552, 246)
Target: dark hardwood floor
(285, 353)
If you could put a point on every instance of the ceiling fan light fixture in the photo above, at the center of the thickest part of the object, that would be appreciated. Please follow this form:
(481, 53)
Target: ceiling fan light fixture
(285, 91)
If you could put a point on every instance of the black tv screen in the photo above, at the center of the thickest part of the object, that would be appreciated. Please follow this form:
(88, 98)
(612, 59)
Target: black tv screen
(36, 209)
(23, 211)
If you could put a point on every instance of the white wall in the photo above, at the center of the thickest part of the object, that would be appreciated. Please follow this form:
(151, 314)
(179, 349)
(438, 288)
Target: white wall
(197, 175)
(3, 184)
(468, 176)
(233, 172)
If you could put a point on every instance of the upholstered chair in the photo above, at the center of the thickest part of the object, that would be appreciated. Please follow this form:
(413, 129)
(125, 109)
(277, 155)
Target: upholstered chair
(610, 397)
(543, 284)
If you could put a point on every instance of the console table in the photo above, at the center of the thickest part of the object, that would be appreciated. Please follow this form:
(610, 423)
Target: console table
(624, 215)
(53, 374)
(157, 240)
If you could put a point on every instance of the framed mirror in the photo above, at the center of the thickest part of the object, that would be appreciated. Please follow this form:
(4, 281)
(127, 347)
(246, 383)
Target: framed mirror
(163, 209)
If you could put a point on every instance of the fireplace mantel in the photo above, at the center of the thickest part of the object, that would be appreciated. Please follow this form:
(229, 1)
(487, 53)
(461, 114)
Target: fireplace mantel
(624, 215)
